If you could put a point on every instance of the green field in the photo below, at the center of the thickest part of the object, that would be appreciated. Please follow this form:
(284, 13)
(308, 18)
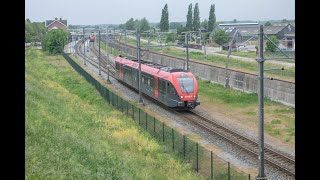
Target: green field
(72, 133)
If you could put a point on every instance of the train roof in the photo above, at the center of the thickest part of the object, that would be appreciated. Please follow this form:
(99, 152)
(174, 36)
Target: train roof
(152, 68)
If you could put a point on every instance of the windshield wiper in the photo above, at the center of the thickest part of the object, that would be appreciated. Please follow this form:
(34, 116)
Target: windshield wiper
(184, 88)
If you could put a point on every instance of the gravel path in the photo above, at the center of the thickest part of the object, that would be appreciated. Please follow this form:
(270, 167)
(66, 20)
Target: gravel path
(219, 147)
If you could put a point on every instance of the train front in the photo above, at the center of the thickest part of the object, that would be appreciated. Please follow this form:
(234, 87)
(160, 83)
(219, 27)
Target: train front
(187, 88)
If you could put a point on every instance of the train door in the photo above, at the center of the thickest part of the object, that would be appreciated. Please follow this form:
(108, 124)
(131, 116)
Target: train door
(156, 87)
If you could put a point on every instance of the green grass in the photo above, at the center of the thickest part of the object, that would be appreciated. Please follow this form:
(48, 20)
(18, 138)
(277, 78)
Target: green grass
(252, 54)
(72, 133)
(279, 119)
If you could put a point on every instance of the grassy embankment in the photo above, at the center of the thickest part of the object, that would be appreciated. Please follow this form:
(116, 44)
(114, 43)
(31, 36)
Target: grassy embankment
(279, 119)
(72, 133)
(252, 54)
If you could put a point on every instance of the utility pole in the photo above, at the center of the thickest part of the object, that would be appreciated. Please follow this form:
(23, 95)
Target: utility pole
(139, 60)
(187, 51)
(125, 41)
(107, 41)
(84, 48)
(203, 43)
(99, 55)
(260, 61)
(227, 62)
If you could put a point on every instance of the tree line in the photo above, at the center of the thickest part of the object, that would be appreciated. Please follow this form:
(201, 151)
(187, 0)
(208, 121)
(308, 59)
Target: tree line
(34, 31)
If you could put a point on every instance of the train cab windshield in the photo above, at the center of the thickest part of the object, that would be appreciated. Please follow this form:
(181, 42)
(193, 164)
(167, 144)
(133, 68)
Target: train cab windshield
(186, 84)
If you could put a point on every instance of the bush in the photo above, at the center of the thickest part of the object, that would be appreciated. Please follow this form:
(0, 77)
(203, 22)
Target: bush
(269, 46)
(54, 41)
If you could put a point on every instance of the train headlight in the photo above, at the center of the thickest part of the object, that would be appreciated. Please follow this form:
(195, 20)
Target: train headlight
(194, 96)
(181, 97)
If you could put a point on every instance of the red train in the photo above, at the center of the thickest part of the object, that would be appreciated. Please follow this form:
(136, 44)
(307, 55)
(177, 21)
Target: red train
(173, 87)
(92, 37)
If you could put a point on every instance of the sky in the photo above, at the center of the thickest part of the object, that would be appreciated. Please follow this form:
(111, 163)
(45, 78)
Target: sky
(91, 12)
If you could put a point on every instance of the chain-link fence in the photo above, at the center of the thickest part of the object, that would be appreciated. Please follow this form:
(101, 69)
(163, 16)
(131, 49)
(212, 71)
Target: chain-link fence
(201, 160)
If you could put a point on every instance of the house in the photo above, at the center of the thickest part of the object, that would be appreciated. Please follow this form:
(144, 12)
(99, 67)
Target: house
(55, 24)
(284, 33)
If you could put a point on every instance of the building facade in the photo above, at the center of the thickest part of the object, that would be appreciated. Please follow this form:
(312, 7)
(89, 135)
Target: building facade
(56, 24)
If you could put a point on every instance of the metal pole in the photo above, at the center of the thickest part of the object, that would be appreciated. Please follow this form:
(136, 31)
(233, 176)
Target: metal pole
(227, 62)
(172, 133)
(261, 174)
(203, 43)
(197, 157)
(84, 49)
(146, 120)
(228, 170)
(138, 47)
(184, 146)
(125, 41)
(162, 132)
(107, 43)
(211, 165)
(139, 116)
(99, 55)
(110, 44)
(187, 52)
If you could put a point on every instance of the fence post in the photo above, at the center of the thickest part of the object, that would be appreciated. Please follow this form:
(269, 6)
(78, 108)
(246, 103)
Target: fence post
(249, 176)
(117, 101)
(146, 121)
(162, 132)
(172, 132)
(228, 170)
(139, 116)
(154, 125)
(127, 107)
(184, 146)
(132, 111)
(211, 166)
(197, 157)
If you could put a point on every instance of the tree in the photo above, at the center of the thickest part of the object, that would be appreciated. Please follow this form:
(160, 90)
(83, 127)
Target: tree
(220, 37)
(181, 29)
(130, 24)
(212, 18)
(189, 18)
(171, 37)
(174, 25)
(122, 26)
(143, 25)
(205, 24)
(269, 46)
(54, 41)
(234, 20)
(196, 18)
(164, 22)
(267, 23)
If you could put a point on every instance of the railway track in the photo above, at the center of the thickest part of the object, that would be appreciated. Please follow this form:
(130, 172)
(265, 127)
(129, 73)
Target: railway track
(94, 62)
(282, 162)
(273, 158)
